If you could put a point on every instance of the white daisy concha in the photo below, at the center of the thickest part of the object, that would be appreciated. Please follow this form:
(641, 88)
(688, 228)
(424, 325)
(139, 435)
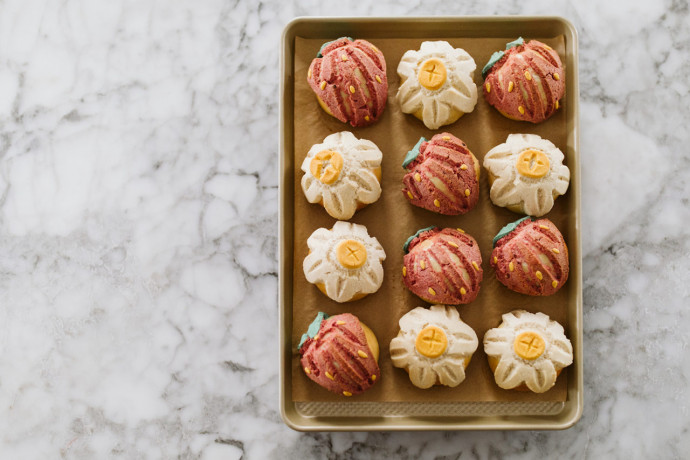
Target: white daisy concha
(344, 262)
(527, 351)
(343, 174)
(526, 174)
(437, 83)
(434, 346)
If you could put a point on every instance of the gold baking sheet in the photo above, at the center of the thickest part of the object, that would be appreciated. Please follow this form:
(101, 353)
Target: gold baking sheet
(392, 220)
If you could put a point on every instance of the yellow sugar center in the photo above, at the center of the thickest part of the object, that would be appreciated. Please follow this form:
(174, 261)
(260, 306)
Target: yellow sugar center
(529, 345)
(351, 254)
(432, 74)
(326, 166)
(533, 163)
(431, 342)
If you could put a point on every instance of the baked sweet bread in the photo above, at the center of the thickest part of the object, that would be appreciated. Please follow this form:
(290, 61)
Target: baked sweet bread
(526, 82)
(344, 262)
(343, 174)
(437, 83)
(443, 175)
(341, 354)
(349, 79)
(530, 257)
(526, 174)
(527, 351)
(434, 346)
(442, 266)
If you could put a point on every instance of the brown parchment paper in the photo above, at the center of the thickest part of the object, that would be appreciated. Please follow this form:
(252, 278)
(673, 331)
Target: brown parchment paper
(392, 220)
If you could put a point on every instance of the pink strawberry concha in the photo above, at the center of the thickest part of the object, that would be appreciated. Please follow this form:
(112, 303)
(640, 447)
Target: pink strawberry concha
(443, 266)
(538, 256)
(350, 81)
(444, 176)
(339, 358)
(527, 83)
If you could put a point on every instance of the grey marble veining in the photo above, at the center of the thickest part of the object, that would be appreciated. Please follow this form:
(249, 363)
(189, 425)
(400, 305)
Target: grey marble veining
(138, 216)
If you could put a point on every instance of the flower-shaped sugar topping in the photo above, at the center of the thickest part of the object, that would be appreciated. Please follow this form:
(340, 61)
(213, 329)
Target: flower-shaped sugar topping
(344, 262)
(434, 346)
(527, 349)
(437, 83)
(343, 173)
(528, 174)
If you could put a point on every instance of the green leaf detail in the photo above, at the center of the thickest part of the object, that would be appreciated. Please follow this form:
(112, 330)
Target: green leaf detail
(492, 60)
(313, 329)
(419, 232)
(414, 153)
(509, 228)
(319, 55)
(514, 43)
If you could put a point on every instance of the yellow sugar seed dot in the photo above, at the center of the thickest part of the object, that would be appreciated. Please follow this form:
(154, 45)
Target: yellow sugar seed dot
(521, 109)
(545, 227)
(467, 192)
(495, 259)
(554, 283)
(422, 264)
(556, 104)
(463, 291)
(511, 267)
(417, 177)
(463, 167)
(488, 87)
(432, 292)
(437, 203)
(309, 73)
(510, 87)
(376, 50)
(528, 75)
(373, 376)
(404, 271)
(329, 376)
(316, 337)
(556, 77)
(450, 243)
(556, 251)
(362, 354)
(378, 79)
(409, 194)
(460, 230)
(347, 393)
(340, 323)
(307, 371)
(352, 89)
(446, 138)
(323, 85)
(474, 264)
(366, 118)
(343, 57)
(539, 275)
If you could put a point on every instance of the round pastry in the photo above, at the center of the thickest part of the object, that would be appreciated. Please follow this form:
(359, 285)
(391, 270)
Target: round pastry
(434, 346)
(443, 175)
(344, 262)
(526, 174)
(442, 266)
(527, 351)
(437, 83)
(349, 79)
(341, 354)
(525, 82)
(531, 257)
(343, 174)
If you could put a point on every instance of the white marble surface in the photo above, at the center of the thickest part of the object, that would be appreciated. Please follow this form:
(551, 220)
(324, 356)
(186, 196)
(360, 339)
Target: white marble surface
(138, 217)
